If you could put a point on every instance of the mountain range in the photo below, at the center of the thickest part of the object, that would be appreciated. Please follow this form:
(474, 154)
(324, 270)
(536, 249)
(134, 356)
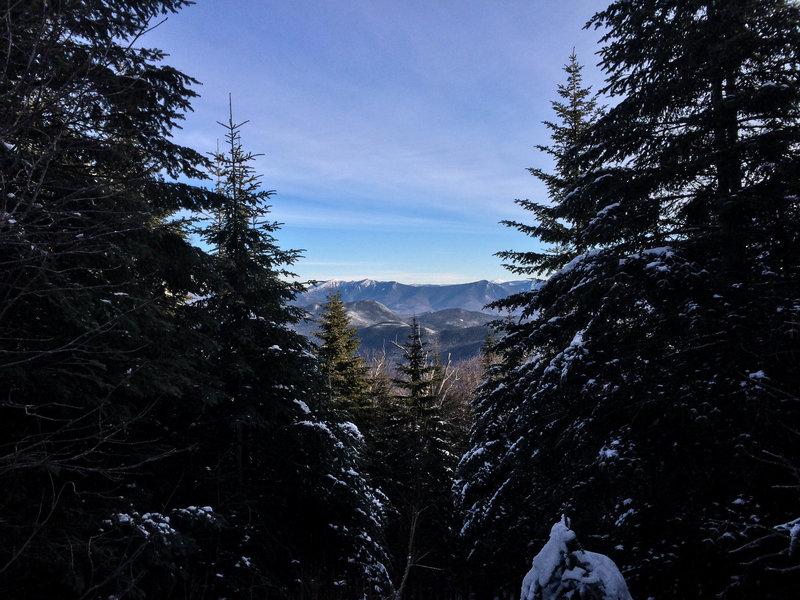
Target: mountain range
(409, 300)
(453, 319)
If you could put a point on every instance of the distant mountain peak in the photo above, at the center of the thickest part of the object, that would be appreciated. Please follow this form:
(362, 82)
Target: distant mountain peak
(408, 300)
(453, 316)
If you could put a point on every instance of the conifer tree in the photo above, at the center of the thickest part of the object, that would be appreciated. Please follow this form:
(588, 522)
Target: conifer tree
(553, 224)
(348, 389)
(139, 458)
(481, 473)
(421, 462)
(642, 397)
(95, 344)
(342, 367)
(271, 421)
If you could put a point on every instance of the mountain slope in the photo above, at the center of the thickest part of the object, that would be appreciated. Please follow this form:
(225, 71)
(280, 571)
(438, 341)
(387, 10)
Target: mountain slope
(408, 300)
(455, 332)
(453, 319)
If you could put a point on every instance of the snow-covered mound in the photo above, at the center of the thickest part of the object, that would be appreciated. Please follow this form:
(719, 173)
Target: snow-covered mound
(563, 570)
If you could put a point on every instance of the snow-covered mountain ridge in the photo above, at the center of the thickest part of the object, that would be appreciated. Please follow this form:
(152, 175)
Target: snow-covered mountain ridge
(453, 318)
(408, 300)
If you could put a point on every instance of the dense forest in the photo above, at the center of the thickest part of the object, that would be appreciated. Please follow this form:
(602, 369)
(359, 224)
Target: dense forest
(167, 433)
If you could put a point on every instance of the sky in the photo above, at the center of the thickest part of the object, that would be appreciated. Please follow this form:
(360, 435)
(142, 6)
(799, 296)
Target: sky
(396, 133)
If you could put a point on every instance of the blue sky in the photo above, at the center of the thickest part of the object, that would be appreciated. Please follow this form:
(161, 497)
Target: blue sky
(396, 133)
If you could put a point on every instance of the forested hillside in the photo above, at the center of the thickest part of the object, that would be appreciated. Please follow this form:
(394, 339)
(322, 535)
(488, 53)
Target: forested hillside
(167, 432)
(454, 333)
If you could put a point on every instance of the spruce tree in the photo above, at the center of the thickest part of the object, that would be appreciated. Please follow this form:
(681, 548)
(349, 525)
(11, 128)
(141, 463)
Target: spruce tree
(419, 472)
(342, 367)
(139, 457)
(494, 519)
(95, 344)
(643, 395)
(553, 224)
(268, 443)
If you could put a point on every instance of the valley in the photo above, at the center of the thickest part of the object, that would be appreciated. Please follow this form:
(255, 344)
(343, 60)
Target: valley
(454, 320)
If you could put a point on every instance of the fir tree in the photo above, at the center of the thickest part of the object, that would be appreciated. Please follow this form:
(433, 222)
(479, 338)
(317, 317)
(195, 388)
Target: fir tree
(95, 344)
(642, 395)
(342, 367)
(164, 434)
(481, 473)
(421, 462)
(271, 421)
(553, 224)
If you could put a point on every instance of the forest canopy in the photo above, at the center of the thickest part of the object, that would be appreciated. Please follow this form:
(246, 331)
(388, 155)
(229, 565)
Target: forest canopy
(168, 433)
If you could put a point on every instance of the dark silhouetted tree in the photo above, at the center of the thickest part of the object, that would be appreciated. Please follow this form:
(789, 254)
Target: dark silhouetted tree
(270, 445)
(95, 340)
(484, 479)
(649, 391)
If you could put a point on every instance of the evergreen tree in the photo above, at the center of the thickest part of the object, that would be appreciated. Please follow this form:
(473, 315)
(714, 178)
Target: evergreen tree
(420, 465)
(342, 367)
(554, 224)
(563, 569)
(494, 522)
(643, 396)
(164, 433)
(269, 445)
(95, 343)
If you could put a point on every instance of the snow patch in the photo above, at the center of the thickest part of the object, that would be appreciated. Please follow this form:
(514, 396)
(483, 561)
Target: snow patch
(561, 570)
(577, 340)
(303, 406)
(352, 429)
(586, 256)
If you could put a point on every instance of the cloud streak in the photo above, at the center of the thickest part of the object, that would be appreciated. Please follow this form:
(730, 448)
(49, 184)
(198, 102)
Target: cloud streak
(385, 116)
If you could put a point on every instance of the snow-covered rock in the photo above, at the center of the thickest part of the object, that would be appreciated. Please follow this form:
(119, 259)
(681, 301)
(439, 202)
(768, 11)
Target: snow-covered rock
(562, 570)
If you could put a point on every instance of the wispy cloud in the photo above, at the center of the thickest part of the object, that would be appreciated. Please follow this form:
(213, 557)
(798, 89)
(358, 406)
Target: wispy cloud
(391, 116)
